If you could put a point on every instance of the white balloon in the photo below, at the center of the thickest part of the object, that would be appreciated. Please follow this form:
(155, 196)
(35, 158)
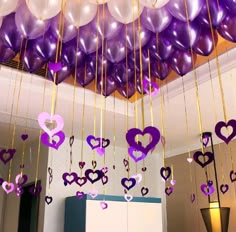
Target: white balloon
(99, 1)
(44, 9)
(79, 12)
(154, 3)
(7, 6)
(125, 11)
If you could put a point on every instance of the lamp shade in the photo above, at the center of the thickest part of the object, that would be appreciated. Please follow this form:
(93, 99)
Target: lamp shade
(216, 219)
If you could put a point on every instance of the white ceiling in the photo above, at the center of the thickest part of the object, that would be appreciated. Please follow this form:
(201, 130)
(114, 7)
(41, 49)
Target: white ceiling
(29, 92)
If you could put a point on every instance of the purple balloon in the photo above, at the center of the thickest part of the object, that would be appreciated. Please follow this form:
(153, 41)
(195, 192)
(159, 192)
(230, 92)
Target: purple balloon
(134, 62)
(227, 28)
(106, 85)
(61, 75)
(156, 20)
(178, 9)
(29, 25)
(115, 50)
(31, 61)
(160, 47)
(45, 46)
(181, 62)
(6, 53)
(127, 90)
(72, 56)
(122, 72)
(231, 6)
(89, 41)
(182, 35)
(217, 13)
(107, 26)
(9, 33)
(133, 36)
(84, 76)
(205, 43)
(69, 30)
(159, 69)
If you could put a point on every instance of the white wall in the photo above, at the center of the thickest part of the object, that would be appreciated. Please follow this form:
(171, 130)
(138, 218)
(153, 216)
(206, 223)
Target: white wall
(54, 213)
(12, 201)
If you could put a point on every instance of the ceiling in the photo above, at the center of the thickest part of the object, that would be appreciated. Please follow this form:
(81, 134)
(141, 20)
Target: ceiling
(22, 97)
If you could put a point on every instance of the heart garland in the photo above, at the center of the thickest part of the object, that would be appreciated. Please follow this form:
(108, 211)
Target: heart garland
(95, 143)
(7, 155)
(128, 183)
(203, 163)
(69, 178)
(165, 173)
(21, 180)
(224, 188)
(93, 176)
(133, 154)
(220, 125)
(54, 144)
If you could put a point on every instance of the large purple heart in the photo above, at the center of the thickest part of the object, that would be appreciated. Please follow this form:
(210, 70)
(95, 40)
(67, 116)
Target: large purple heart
(99, 142)
(136, 158)
(7, 155)
(208, 154)
(207, 190)
(165, 173)
(224, 188)
(91, 178)
(81, 181)
(54, 144)
(69, 178)
(222, 124)
(233, 176)
(132, 133)
(128, 183)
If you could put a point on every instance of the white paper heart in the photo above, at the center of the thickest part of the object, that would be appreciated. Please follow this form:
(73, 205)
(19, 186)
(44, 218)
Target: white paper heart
(93, 193)
(190, 160)
(138, 177)
(128, 197)
(173, 182)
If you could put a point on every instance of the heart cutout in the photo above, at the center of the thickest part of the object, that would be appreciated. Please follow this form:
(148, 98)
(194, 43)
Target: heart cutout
(169, 191)
(103, 205)
(100, 151)
(144, 191)
(8, 187)
(209, 155)
(35, 190)
(128, 183)
(220, 125)
(138, 178)
(104, 179)
(104, 170)
(173, 182)
(232, 176)
(7, 155)
(81, 164)
(19, 191)
(207, 190)
(137, 145)
(80, 195)
(21, 180)
(54, 144)
(69, 178)
(165, 173)
(24, 137)
(205, 140)
(81, 181)
(48, 200)
(93, 176)
(93, 193)
(224, 188)
(125, 162)
(136, 155)
(44, 117)
(128, 197)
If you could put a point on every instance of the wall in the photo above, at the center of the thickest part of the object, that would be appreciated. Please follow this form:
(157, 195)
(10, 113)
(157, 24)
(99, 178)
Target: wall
(184, 216)
(12, 201)
(59, 161)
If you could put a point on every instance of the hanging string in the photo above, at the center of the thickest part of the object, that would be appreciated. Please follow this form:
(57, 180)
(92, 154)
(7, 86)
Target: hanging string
(114, 131)
(163, 126)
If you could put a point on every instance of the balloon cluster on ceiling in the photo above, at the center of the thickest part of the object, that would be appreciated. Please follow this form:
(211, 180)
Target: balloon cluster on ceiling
(102, 39)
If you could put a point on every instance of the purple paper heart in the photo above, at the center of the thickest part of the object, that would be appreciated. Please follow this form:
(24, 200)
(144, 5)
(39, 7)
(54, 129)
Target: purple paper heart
(103, 205)
(210, 183)
(232, 176)
(21, 180)
(104, 179)
(104, 170)
(224, 188)
(48, 200)
(137, 145)
(80, 195)
(35, 190)
(207, 190)
(205, 140)
(128, 198)
(19, 191)
(193, 197)
(94, 163)
(45, 140)
(24, 137)
(8, 187)
(144, 191)
(165, 173)
(136, 158)
(81, 181)
(7, 155)
(169, 190)
(81, 164)
(95, 143)
(93, 193)
(69, 178)
(128, 183)
(105, 142)
(93, 176)
(55, 67)
(198, 154)
(100, 151)
(220, 125)
(125, 162)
